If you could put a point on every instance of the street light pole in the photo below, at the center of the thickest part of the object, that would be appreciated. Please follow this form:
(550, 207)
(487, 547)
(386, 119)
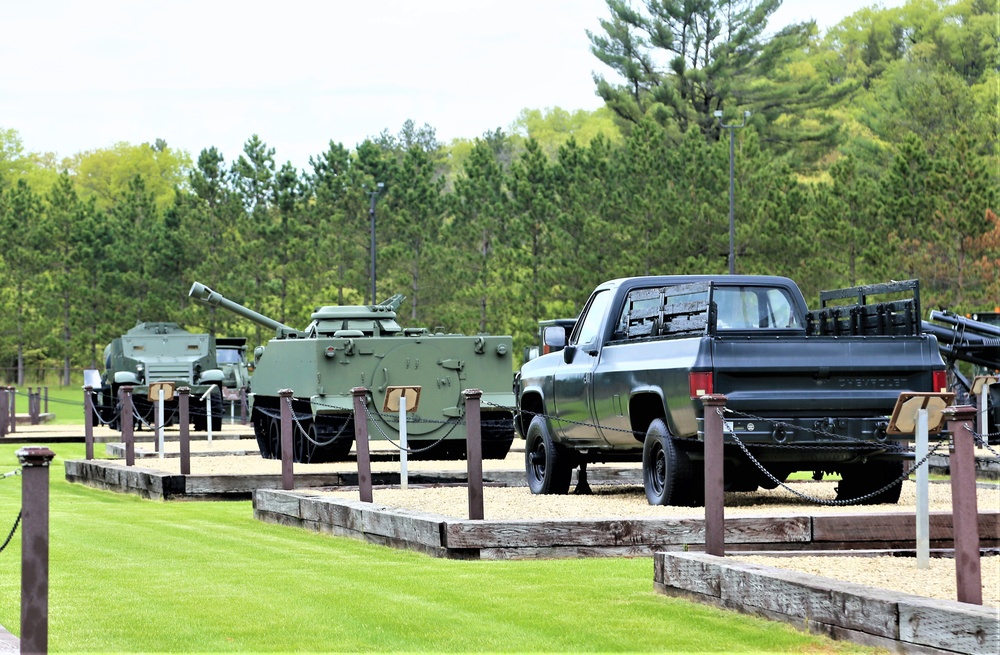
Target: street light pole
(371, 215)
(732, 187)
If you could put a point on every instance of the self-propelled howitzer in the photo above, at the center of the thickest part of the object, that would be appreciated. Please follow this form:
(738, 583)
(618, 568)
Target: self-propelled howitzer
(363, 346)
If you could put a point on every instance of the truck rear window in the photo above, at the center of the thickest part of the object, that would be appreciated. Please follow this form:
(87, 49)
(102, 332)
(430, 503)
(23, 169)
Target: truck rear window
(738, 308)
(747, 308)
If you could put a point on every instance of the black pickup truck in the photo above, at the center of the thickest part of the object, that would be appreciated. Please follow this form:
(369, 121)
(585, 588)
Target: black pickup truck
(807, 390)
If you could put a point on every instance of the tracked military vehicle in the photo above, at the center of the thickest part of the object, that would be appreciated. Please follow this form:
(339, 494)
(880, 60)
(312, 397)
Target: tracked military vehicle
(363, 346)
(159, 352)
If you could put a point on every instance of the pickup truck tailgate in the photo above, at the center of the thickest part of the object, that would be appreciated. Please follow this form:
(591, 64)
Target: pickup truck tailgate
(803, 375)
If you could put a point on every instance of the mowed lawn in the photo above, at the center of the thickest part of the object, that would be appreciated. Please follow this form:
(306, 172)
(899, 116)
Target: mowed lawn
(65, 403)
(132, 575)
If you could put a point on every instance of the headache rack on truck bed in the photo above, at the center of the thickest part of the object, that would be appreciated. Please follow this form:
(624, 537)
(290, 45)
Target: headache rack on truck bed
(889, 318)
(681, 310)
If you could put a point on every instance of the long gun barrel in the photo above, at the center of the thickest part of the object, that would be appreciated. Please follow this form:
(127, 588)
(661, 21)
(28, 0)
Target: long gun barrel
(203, 294)
(967, 340)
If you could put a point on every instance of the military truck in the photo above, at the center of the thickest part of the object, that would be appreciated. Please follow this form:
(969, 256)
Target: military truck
(363, 346)
(807, 390)
(154, 352)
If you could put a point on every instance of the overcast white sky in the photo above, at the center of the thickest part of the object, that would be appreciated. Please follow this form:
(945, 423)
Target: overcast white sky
(76, 76)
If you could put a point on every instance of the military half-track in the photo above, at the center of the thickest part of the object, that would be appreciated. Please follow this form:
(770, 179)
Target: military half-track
(159, 352)
(363, 346)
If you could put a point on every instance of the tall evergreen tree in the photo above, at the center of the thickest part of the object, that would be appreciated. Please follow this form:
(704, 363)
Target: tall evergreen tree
(680, 61)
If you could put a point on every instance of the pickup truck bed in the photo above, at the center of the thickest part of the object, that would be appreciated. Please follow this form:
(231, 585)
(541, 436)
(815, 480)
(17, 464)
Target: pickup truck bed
(806, 390)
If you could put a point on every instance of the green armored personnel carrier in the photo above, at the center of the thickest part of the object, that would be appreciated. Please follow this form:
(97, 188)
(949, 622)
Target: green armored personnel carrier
(160, 352)
(363, 346)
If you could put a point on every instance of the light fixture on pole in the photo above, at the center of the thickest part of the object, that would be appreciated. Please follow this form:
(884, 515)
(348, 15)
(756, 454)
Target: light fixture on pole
(732, 157)
(371, 214)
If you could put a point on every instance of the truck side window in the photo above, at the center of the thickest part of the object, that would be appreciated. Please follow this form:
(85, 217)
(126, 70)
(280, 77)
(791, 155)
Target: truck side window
(590, 322)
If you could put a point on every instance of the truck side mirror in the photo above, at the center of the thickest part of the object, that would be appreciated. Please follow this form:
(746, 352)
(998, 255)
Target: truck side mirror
(553, 338)
(568, 353)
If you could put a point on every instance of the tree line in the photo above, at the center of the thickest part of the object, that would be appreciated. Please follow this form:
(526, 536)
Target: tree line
(870, 154)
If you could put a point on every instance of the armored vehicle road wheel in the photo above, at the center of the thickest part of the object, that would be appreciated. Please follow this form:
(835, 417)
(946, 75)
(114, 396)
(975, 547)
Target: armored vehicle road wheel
(261, 423)
(666, 469)
(303, 445)
(548, 465)
(859, 480)
(274, 437)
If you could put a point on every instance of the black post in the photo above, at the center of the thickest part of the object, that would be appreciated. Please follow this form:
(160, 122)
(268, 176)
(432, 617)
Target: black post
(474, 453)
(46, 400)
(732, 186)
(183, 398)
(88, 423)
(371, 215)
(361, 444)
(35, 548)
(12, 398)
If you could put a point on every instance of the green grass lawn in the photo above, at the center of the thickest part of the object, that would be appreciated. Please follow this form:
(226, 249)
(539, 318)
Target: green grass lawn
(66, 403)
(131, 575)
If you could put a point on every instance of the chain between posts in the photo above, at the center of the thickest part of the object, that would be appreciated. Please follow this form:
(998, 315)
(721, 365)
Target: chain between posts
(983, 440)
(296, 417)
(822, 501)
(455, 424)
(855, 443)
(10, 536)
(17, 521)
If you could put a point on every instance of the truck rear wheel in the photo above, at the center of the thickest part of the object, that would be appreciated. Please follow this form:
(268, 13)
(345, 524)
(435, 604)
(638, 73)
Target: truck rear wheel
(666, 469)
(548, 465)
(859, 480)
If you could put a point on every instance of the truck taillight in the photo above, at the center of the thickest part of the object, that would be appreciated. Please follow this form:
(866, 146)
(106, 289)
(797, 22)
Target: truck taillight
(940, 382)
(700, 383)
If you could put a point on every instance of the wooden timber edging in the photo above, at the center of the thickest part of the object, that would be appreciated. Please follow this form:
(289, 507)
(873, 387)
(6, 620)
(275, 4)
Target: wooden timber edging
(466, 539)
(114, 475)
(842, 610)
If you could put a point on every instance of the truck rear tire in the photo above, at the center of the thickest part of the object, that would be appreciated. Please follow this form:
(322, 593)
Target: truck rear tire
(548, 465)
(666, 469)
(858, 480)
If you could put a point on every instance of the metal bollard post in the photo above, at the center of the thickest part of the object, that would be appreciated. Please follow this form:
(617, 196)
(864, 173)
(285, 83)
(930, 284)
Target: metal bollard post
(964, 513)
(715, 505)
(183, 398)
(88, 423)
(35, 548)
(125, 419)
(361, 444)
(287, 479)
(46, 399)
(474, 453)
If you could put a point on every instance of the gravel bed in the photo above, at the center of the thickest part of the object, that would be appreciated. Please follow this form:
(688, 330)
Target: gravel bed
(624, 501)
(629, 501)
(896, 573)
